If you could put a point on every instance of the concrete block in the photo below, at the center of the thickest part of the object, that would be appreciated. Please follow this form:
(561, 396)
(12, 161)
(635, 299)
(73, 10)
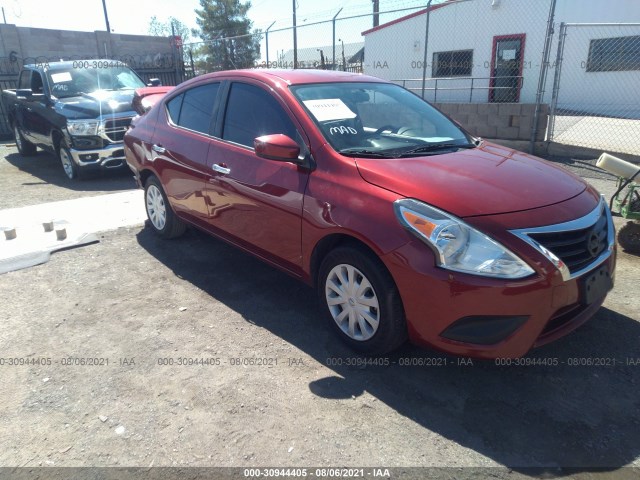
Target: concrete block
(485, 131)
(468, 108)
(509, 109)
(509, 133)
(499, 120)
(461, 118)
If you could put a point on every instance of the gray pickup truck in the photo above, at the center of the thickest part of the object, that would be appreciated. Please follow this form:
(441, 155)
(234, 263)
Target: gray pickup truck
(77, 110)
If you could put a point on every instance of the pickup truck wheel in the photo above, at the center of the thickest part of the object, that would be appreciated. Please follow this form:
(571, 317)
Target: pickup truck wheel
(70, 167)
(361, 301)
(163, 220)
(25, 147)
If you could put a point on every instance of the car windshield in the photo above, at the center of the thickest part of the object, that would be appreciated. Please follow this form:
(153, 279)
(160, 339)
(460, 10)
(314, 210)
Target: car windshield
(379, 120)
(72, 82)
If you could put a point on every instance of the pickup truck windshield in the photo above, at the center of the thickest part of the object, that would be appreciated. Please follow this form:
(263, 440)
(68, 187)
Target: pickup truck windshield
(72, 82)
(379, 120)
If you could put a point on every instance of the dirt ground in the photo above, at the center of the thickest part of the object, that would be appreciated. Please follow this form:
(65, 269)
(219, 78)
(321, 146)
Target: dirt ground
(141, 352)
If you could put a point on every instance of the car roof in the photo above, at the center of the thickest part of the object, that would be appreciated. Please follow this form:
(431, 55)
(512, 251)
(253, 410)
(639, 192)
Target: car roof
(296, 77)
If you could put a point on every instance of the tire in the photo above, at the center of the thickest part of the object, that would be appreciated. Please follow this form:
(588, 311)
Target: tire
(629, 237)
(162, 218)
(70, 167)
(370, 319)
(25, 147)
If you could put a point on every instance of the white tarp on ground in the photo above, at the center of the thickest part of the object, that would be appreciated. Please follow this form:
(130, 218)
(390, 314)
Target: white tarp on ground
(76, 220)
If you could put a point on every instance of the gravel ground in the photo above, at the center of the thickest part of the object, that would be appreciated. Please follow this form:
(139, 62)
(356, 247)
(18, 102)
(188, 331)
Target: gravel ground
(271, 386)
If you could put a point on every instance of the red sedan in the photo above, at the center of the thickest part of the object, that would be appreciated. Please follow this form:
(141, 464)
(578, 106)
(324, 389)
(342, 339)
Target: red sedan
(407, 226)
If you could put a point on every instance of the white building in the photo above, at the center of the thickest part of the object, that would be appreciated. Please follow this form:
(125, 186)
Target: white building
(471, 42)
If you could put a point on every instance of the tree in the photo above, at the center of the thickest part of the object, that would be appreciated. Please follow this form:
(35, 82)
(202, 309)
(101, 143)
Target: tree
(226, 31)
(163, 29)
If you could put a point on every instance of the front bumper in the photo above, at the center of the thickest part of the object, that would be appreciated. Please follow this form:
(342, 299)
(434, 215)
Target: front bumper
(110, 157)
(488, 318)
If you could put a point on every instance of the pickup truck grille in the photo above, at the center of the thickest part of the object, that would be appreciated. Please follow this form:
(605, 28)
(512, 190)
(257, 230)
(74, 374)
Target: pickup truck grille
(577, 248)
(116, 128)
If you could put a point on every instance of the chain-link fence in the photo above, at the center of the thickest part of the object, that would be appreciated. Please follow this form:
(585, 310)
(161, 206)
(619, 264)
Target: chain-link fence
(595, 100)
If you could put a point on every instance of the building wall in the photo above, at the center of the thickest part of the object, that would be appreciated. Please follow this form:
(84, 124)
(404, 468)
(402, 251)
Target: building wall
(397, 51)
(28, 42)
(504, 121)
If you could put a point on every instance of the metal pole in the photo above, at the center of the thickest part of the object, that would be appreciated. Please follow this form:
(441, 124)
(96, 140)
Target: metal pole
(106, 17)
(295, 37)
(542, 80)
(556, 80)
(426, 44)
(333, 65)
(266, 39)
(3, 16)
(376, 13)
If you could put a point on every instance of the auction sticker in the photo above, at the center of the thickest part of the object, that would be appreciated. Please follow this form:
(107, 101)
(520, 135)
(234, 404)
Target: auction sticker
(329, 109)
(61, 77)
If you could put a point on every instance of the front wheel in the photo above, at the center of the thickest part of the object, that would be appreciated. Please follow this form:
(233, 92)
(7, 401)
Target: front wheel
(25, 147)
(71, 169)
(161, 216)
(361, 301)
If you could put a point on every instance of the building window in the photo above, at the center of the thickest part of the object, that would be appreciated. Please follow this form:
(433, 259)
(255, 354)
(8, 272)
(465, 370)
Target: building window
(614, 54)
(457, 63)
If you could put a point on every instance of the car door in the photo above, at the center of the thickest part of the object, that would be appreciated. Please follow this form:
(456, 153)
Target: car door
(258, 202)
(24, 109)
(180, 148)
(40, 111)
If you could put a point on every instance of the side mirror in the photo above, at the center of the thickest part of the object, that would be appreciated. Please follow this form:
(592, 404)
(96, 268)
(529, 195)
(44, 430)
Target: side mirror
(154, 82)
(277, 147)
(24, 93)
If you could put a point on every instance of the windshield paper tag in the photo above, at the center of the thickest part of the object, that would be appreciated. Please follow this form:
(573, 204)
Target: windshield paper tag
(329, 109)
(61, 77)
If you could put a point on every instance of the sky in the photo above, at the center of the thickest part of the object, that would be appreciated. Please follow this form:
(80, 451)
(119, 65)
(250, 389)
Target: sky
(133, 16)
(127, 16)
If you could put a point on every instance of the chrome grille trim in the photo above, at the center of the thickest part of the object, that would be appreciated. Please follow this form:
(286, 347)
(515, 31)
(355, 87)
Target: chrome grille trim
(589, 220)
(114, 128)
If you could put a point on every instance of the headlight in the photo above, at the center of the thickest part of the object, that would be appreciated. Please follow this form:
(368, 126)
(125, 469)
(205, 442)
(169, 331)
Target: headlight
(458, 246)
(83, 127)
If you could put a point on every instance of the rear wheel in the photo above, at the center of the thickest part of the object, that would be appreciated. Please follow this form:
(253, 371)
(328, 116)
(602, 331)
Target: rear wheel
(629, 237)
(361, 301)
(161, 216)
(25, 147)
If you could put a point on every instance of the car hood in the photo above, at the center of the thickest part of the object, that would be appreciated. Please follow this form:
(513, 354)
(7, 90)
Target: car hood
(486, 180)
(92, 105)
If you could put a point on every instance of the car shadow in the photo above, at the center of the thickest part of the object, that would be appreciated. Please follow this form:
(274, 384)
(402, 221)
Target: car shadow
(567, 415)
(47, 168)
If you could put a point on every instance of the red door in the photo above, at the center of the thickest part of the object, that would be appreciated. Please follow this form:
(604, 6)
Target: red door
(180, 149)
(255, 201)
(506, 68)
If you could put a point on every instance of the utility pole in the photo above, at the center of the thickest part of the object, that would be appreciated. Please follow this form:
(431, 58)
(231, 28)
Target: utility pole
(376, 13)
(106, 17)
(295, 37)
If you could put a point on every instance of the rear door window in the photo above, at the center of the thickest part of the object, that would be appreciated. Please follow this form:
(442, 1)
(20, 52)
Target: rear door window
(195, 108)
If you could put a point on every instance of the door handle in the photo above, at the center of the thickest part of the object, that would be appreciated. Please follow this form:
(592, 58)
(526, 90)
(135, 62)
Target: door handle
(158, 148)
(220, 168)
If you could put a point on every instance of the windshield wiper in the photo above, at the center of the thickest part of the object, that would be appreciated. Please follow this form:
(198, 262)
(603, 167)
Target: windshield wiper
(436, 147)
(364, 153)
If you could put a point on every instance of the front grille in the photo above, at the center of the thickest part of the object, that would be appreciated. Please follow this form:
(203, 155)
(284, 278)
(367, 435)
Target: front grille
(577, 248)
(116, 128)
